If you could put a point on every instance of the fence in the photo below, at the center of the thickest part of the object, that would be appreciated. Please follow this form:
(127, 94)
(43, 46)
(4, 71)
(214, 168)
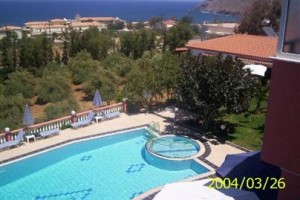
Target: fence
(64, 121)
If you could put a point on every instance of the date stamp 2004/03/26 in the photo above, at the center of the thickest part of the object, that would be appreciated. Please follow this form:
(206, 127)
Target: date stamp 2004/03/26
(248, 182)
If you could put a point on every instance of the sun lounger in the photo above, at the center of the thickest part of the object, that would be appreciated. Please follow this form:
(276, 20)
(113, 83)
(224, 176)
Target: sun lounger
(15, 142)
(85, 122)
(112, 115)
(49, 132)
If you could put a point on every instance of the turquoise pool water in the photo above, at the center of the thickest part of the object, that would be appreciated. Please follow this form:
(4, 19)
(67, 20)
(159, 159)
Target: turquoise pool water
(110, 168)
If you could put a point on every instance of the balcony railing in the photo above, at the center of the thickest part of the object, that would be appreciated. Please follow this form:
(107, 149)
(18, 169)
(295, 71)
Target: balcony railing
(64, 121)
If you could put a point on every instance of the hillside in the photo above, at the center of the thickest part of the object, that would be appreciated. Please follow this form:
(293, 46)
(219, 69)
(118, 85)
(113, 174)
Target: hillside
(226, 6)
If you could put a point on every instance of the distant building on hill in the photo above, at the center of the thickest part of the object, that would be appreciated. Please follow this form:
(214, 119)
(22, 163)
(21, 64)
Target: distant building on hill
(164, 25)
(57, 26)
(60, 26)
(169, 23)
(208, 30)
(16, 29)
(38, 28)
(104, 20)
(82, 26)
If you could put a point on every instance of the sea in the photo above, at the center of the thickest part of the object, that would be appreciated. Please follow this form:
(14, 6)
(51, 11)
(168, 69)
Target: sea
(17, 12)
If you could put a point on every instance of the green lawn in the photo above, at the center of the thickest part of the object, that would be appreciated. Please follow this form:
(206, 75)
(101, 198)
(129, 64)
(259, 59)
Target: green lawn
(248, 127)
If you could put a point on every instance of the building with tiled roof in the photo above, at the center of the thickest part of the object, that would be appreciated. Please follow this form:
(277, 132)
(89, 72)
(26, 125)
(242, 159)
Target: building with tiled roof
(81, 26)
(59, 21)
(16, 29)
(105, 20)
(28, 24)
(59, 26)
(251, 49)
(10, 28)
(220, 29)
(38, 29)
(169, 23)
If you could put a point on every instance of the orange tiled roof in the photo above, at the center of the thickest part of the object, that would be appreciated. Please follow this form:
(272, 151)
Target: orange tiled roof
(85, 24)
(58, 20)
(47, 26)
(181, 49)
(10, 28)
(97, 18)
(36, 23)
(169, 22)
(247, 46)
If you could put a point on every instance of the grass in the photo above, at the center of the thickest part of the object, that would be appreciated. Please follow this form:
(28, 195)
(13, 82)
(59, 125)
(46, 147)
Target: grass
(248, 127)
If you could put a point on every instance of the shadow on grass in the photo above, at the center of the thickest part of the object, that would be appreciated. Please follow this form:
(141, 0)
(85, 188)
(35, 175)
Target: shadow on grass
(223, 131)
(88, 98)
(215, 131)
(260, 128)
(78, 89)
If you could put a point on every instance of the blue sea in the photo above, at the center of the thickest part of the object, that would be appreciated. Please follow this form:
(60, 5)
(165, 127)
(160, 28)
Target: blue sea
(17, 12)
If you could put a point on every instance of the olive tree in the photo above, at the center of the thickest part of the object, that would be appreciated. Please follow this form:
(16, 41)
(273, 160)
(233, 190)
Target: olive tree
(20, 82)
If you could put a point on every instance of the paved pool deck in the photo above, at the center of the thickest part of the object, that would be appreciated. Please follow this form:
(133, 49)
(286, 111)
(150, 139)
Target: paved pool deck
(125, 121)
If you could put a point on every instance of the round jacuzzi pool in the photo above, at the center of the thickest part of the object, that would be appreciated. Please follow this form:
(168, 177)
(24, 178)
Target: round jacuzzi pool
(172, 152)
(173, 146)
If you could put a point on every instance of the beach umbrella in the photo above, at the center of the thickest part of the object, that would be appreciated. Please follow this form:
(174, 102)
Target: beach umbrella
(27, 117)
(97, 101)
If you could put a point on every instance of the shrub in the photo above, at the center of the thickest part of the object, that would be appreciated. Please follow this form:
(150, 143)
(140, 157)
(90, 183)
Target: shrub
(22, 82)
(60, 109)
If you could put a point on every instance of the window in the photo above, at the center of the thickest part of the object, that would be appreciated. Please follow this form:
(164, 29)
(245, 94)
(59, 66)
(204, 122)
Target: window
(289, 36)
(292, 30)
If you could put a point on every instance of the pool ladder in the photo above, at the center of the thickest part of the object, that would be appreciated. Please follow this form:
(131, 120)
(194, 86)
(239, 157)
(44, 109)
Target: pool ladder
(154, 129)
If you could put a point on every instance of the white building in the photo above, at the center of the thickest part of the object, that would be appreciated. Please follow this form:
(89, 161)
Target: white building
(220, 29)
(82, 26)
(103, 20)
(16, 29)
(57, 26)
(60, 26)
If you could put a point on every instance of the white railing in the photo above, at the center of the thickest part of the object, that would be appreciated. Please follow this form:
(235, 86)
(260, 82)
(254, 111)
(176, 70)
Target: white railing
(65, 121)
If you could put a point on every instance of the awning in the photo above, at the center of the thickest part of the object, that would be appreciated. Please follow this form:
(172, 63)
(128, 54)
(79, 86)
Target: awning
(256, 69)
(249, 166)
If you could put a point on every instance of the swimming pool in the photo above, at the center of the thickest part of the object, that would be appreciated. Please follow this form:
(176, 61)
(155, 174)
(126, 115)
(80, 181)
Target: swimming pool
(110, 167)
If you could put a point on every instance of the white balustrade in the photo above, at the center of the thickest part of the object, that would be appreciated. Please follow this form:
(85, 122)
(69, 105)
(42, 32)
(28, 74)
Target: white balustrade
(64, 121)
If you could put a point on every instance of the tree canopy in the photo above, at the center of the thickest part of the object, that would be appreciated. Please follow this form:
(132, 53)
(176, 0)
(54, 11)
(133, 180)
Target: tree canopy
(82, 66)
(21, 82)
(134, 44)
(54, 86)
(209, 84)
(12, 108)
(93, 41)
(119, 64)
(153, 76)
(180, 34)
